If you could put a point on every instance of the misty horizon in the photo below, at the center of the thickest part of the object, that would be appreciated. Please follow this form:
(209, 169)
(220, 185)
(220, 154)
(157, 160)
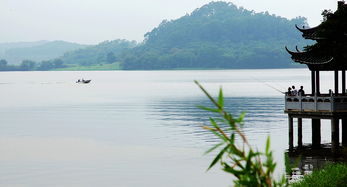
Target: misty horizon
(91, 22)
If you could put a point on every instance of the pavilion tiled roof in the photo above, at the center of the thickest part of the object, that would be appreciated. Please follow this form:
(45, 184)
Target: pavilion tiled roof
(330, 50)
(309, 57)
(310, 33)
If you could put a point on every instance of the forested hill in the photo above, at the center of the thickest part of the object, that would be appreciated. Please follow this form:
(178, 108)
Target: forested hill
(104, 52)
(104, 55)
(217, 35)
(15, 53)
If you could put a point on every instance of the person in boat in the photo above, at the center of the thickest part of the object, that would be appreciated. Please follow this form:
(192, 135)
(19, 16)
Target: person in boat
(301, 91)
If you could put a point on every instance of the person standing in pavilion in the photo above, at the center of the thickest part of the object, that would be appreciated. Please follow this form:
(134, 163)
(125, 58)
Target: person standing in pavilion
(294, 91)
(301, 91)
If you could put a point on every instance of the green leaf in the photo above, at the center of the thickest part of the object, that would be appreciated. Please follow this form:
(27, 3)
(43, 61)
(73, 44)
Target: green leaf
(236, 173)
(218, 157)
(232, 138)
(242, 115)
(221, 120)
(240, 119)
(249, 159)
(207, 94)
(214, 147)
(267, 148)
(209, 109)
(219, 136)
(214, 123)
(235, 150)
(221, 98)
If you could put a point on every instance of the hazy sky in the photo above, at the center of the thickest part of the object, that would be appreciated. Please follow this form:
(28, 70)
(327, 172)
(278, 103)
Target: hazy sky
(93, 21)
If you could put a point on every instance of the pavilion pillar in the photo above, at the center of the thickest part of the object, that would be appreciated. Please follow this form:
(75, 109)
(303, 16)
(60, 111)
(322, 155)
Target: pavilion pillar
(316, 135)
(317, 83)
(299, 132)
(343, 82)
(313, 82)
(291, 130)
(336, 80)
(335, 134)
(344, 132)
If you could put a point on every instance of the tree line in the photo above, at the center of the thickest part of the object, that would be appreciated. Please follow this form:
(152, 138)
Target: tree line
(29, 65)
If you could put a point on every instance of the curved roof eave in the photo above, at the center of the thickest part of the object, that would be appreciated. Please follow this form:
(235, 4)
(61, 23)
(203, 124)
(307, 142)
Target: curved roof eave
(308, 58)
(312, 29)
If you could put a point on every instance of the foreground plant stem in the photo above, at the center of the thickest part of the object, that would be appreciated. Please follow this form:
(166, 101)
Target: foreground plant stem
(251, 168)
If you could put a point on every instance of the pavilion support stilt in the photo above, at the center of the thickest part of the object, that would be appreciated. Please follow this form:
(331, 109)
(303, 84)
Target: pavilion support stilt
(336, 78)
(316, 134)
(343, 82)
(313, 82)
(334, 134)
(344, 132)
(291, 131)
(299, 132)
(317, 83)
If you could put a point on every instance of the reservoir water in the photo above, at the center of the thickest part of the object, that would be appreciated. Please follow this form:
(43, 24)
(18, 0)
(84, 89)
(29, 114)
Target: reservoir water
(135, 128)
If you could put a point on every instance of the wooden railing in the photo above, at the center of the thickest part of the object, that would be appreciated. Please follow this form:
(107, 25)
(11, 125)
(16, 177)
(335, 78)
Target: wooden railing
(321, 103)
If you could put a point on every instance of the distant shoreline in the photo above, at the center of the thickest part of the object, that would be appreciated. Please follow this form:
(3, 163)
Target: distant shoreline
(178, 69)
(88, 68)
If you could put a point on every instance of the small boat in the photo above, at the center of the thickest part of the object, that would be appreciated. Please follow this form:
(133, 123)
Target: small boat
(83, 81)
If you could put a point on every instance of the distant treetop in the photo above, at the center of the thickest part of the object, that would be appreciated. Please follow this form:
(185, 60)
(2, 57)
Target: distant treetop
(217, 35)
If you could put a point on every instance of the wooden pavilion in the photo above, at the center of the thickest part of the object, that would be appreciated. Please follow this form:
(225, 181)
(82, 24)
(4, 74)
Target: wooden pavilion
(329, 53)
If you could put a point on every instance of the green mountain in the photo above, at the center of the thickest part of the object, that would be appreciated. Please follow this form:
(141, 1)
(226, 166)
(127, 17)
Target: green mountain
(105, 52)
(6, 46)
(217, 35)
(100, 57)
(15, 53)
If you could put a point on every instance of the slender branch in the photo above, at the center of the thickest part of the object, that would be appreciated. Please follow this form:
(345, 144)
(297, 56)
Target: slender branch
(222, 112)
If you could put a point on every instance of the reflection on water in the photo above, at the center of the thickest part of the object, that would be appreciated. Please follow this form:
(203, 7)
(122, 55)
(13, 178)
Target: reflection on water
(305, 160)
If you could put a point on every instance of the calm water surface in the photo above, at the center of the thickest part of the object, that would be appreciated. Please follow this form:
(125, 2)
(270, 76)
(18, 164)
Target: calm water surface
(133, 128)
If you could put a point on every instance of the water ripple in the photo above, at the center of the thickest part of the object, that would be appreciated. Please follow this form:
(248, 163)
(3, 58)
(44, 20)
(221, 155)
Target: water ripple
(262, 114)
